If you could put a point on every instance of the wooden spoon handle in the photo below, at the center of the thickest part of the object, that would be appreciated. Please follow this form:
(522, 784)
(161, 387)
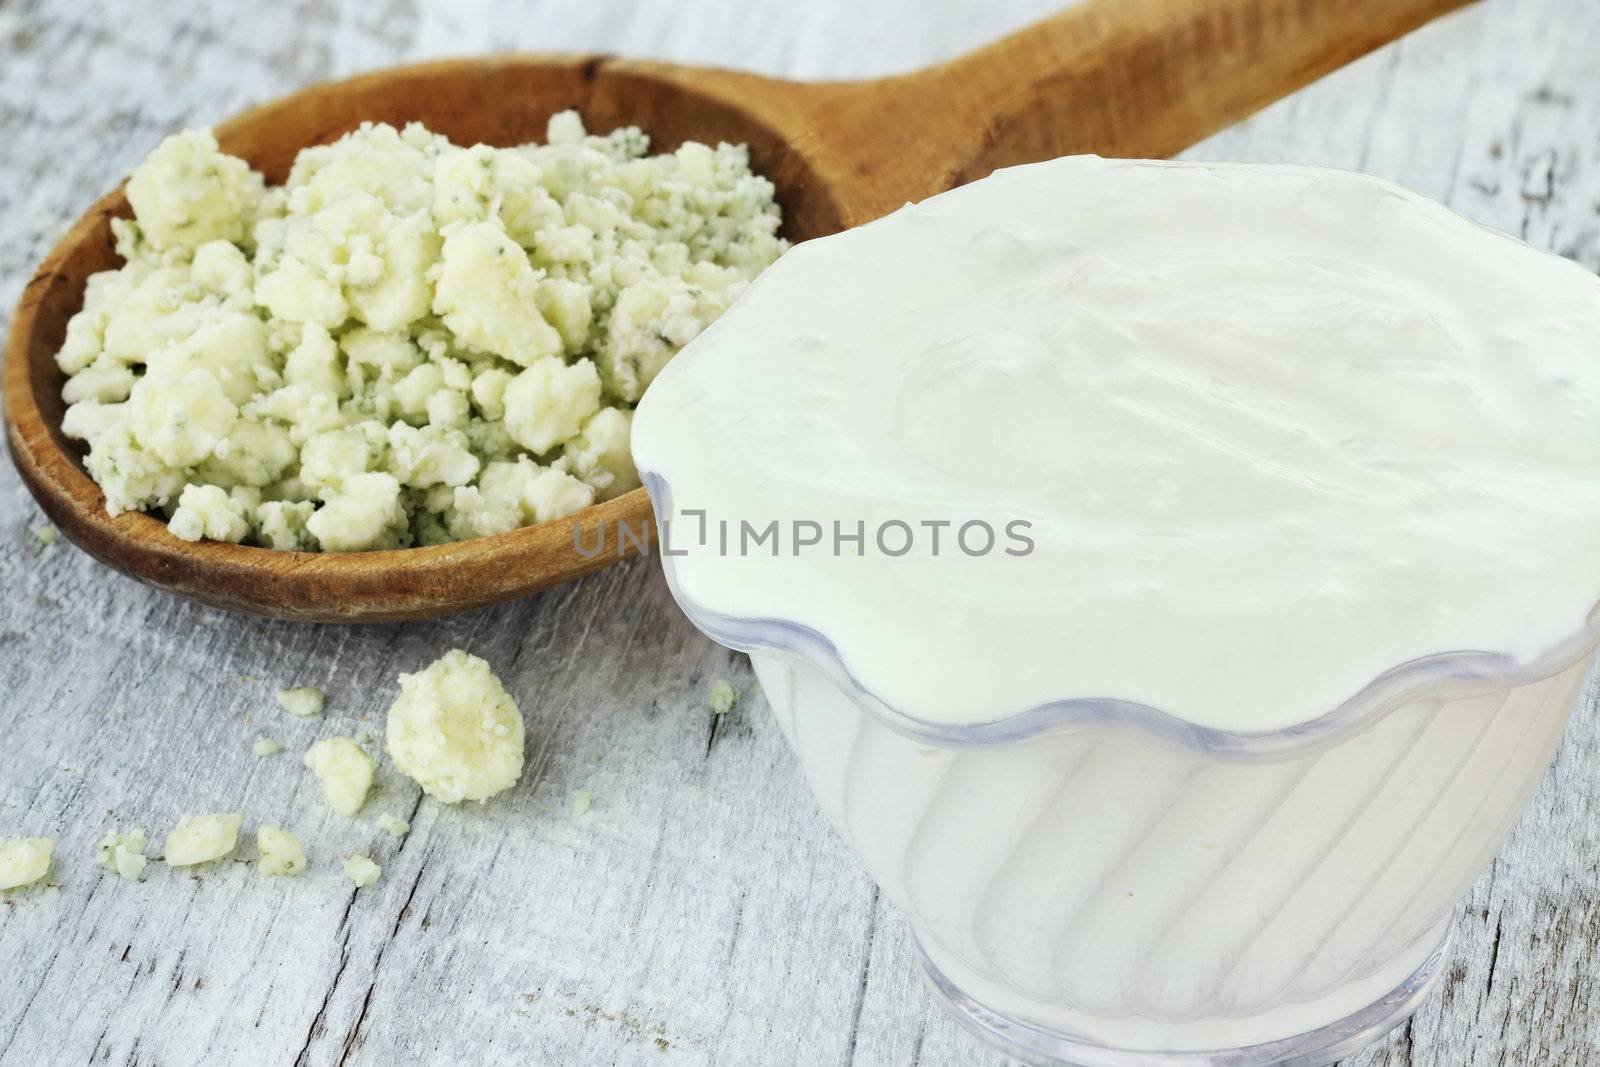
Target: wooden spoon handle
(1138, 78)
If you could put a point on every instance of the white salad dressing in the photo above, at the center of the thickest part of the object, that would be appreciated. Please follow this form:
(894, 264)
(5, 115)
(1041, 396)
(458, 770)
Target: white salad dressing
(1274, 431)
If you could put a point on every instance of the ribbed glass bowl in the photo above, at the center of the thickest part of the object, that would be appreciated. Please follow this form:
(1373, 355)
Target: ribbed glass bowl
(1098, 882)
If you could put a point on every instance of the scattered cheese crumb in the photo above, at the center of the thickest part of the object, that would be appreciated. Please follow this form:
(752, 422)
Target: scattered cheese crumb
(455, 730)
(305, 701)
(582, 801)
(393, 825)
(281, 852)
(266, 746)
(201, 839)
(47, 535)
(362, 871)
(723, 697)
(24, 860)
(344, 770)
(122, 853)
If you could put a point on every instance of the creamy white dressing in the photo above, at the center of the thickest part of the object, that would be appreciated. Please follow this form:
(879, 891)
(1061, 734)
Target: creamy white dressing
(1274, 431)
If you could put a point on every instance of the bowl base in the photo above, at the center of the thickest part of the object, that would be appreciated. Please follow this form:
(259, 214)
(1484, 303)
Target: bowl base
(1046, 1046)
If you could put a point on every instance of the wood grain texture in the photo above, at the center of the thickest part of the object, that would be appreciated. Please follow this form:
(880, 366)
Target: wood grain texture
(702, 905)
(1118, 77)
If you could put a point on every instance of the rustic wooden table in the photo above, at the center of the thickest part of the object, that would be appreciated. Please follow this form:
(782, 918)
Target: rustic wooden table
(701, 913)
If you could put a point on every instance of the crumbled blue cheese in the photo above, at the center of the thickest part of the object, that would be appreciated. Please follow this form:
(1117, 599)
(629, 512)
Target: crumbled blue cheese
(455, 730)
(361, 870)
(723, 697)
(303, 701)
(24, 861)
(345, 771)
(393, 825)
(582, 801)
(549, 402)
(209, 511)
(188, 193)
(409, 342)
(266, 746)
(201, 839)
(599, 454)
(281, 852)
(122, 853)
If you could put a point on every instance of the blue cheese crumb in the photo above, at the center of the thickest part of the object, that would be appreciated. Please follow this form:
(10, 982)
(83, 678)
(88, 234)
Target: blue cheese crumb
(722, 698)
(361, 870)
(393, 825)
(345, 771)
(201, 839)
(455, 731)
(122, 853)
(304, 701)
(24, 861)
(281, 853)
(582, 802)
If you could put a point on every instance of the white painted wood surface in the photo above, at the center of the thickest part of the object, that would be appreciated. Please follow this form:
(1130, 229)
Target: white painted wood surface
(702, 913)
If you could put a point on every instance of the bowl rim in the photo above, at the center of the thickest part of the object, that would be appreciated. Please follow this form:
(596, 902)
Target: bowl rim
(1434, 676)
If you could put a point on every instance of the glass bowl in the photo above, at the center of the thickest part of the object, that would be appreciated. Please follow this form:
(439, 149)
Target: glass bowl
(1100, 883)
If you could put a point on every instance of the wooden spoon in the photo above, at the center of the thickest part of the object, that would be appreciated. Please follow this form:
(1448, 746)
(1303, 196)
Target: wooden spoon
(1117, 77)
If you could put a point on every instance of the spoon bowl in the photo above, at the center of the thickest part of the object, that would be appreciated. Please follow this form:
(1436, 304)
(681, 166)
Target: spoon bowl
(1114, 77)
